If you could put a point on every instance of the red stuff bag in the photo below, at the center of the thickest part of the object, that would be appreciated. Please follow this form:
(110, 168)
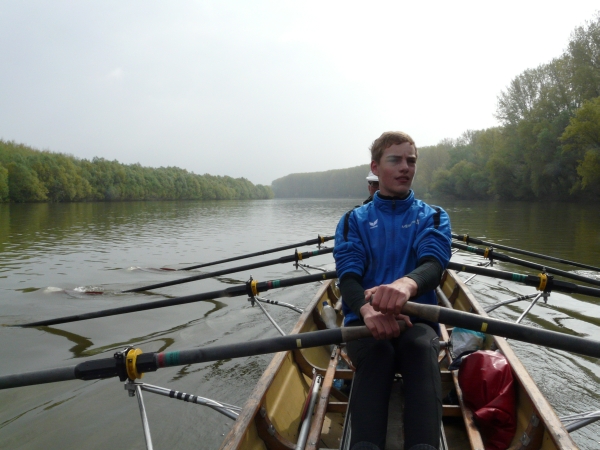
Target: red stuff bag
(486, 381)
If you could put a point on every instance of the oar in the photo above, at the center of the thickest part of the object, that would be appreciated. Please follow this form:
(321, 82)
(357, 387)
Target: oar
(467, 239)
(284, 259)
(490, 254)
(134, 363)
(319, 240)
(542, 283)
(150, 362)
(510, 330)
(250, 289)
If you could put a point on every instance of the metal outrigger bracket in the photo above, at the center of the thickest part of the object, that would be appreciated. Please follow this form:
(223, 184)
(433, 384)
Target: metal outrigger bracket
(278, 303)
(489, 254)
(580, 420)
(132, 389)
(297, 264)
(489, 263)
(544, 294)
(304, 266)
(313, 267)
(252, 298)
(509, 301)
(135, 388)
(532, 304)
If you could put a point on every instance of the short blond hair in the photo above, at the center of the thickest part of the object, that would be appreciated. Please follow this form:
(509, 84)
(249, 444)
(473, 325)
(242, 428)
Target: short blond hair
(387, 139)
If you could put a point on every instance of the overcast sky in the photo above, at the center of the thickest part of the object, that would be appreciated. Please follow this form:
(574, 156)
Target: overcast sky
(261, 89)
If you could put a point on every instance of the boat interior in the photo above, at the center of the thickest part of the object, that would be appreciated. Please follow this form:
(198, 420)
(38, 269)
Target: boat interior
(271, 418)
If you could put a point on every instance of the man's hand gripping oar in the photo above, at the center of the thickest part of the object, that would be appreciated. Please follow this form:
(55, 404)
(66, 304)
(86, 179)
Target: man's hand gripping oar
(383, 307)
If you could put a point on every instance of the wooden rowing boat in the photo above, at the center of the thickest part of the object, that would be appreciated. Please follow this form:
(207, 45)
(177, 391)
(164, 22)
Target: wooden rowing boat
(271, 418)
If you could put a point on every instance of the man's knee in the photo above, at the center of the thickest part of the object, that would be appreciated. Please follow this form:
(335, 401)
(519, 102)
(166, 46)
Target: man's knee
(421, 337)
(365, 351)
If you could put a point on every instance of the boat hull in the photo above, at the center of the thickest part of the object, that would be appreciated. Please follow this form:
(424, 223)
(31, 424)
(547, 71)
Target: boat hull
(271, 417)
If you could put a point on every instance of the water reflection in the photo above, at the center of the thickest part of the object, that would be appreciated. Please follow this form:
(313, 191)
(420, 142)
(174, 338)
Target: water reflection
(83, 347)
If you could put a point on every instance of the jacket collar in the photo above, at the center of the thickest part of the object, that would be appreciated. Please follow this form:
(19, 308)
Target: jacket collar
(393, 204)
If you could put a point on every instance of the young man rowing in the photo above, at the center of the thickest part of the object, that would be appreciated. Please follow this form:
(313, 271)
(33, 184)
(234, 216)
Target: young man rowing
(388, 251)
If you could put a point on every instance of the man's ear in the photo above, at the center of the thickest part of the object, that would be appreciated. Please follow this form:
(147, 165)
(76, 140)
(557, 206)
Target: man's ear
(374, 168)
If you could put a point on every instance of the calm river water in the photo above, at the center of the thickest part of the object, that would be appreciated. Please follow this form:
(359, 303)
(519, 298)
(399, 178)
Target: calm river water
(51, 253)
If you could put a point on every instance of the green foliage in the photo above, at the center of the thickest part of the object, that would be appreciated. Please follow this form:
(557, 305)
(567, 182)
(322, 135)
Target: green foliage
(581, 140)
(28, 175)
(546, 146)
(584, 60)
(3, 184)
(330, 184)
(429, 161)
(24, 184)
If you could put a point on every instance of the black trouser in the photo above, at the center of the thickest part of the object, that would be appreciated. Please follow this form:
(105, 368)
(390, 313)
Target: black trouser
(414, 354)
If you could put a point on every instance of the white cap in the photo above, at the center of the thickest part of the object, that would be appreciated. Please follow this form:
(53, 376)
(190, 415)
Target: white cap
(372, 177)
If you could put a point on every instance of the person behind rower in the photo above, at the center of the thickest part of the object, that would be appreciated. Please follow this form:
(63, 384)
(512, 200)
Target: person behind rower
(389, 251)
(372, 186)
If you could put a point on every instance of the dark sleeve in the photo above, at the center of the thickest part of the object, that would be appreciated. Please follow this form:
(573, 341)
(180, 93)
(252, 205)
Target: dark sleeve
(353, 293)
(427, 275)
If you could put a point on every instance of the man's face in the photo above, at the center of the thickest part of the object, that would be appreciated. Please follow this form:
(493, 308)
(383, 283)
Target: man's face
(396, 169)
(373, 187)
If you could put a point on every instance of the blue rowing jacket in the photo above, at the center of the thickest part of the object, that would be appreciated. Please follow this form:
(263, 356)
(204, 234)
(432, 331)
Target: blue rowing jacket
(385, 239)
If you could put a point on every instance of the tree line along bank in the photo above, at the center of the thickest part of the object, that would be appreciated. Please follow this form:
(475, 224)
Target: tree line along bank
(29, 175)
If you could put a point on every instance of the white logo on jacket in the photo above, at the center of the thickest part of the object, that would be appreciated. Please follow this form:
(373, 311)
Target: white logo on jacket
(408, 225)
(373, 224)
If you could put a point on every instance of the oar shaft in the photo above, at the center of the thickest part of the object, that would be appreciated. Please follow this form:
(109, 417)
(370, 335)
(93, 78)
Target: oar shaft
(496, 327)
(319, 240)
(234, 291)
(529, 280)
(252, 348)
(150, 362)
(467, 239)
(282, 260)
(38, 377)
(521, 262)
